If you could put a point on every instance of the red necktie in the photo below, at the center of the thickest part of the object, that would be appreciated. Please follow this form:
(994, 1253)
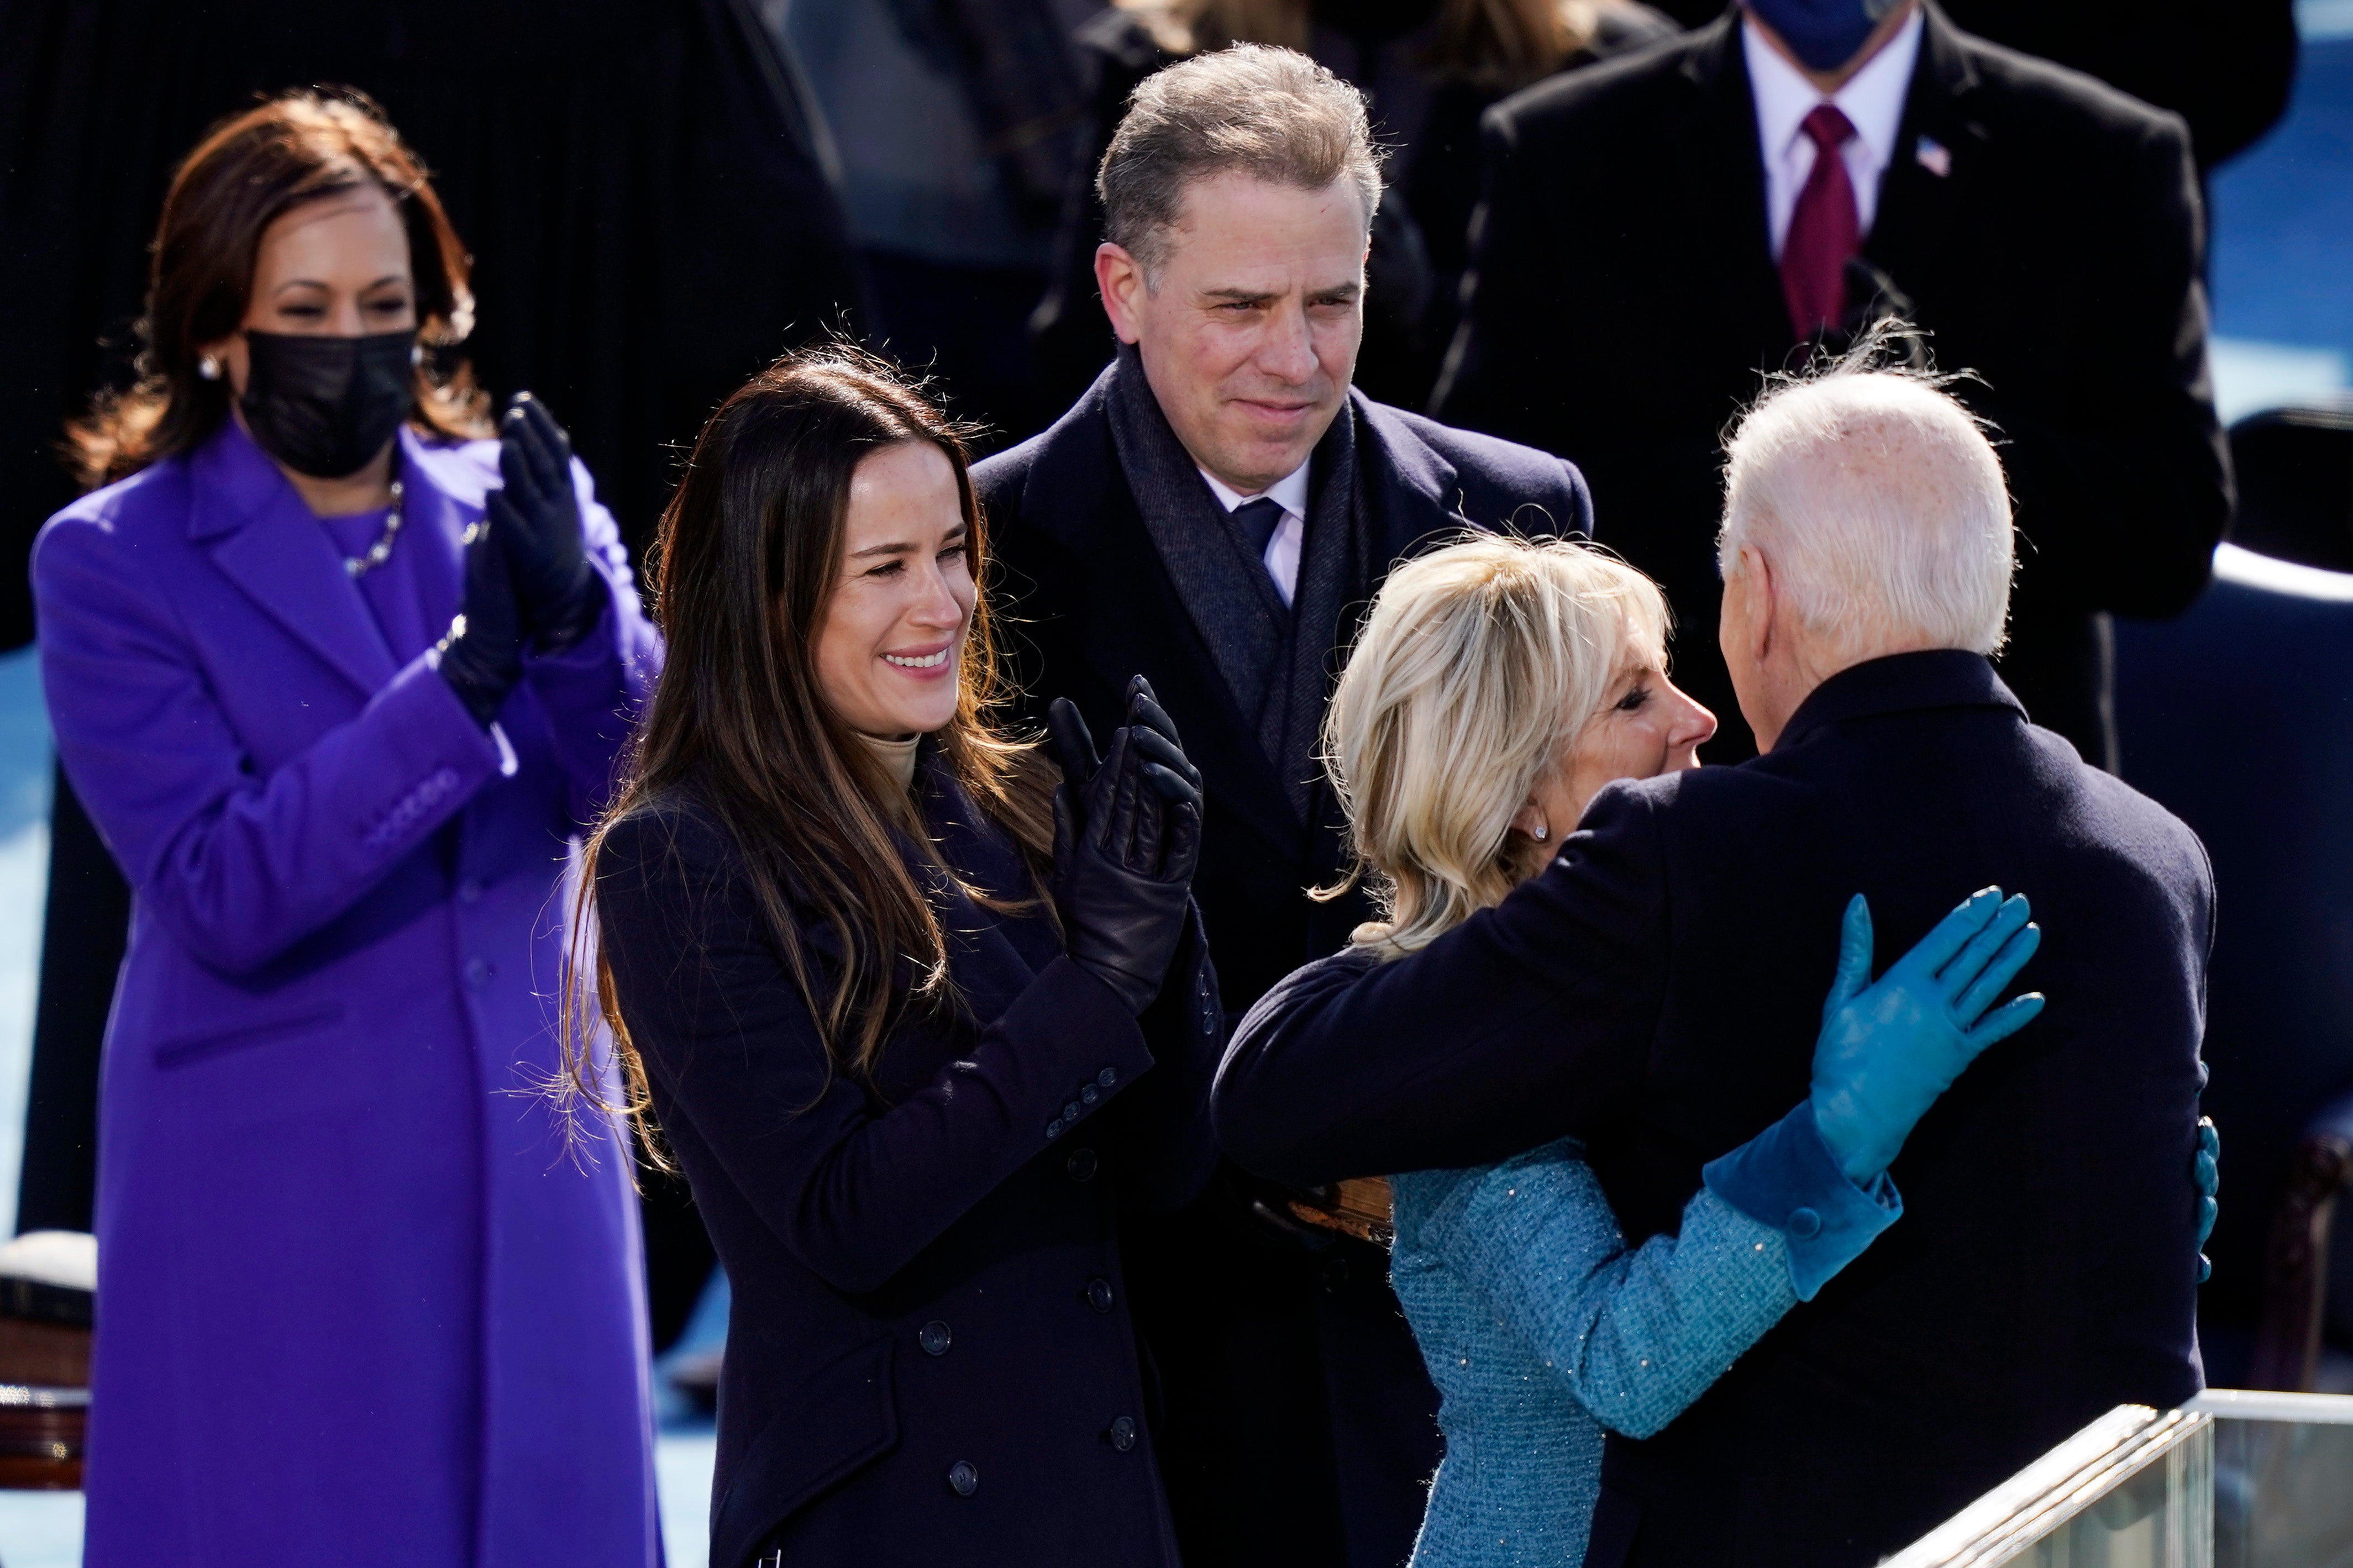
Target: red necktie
(1824, 231)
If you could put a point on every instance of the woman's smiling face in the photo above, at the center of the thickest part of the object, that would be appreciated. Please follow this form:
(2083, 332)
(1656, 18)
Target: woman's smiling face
(890, 646)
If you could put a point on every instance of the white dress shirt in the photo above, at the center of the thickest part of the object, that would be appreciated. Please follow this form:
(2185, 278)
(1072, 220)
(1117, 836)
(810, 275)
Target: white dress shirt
(1873, 101)
(1290, 493)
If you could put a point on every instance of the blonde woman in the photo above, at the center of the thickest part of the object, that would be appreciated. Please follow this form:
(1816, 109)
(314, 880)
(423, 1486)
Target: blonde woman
(1499, 683)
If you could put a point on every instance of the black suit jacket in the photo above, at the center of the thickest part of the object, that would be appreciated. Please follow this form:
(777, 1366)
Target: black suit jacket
(926, 1270)
(1624, 301)
(1300, 1426)
(1657, 990)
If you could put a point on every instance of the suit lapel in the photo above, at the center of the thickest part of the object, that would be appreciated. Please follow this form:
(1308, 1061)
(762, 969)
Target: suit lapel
(1939, 154)
(264, 539)
(1725, 173)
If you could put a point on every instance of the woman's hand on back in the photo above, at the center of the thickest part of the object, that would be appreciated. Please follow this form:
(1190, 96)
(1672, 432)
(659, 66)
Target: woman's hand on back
(1887, 1050)
(1127, 834)
(537, 518)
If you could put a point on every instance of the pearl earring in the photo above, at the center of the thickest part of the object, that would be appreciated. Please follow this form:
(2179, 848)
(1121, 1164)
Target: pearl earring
(208, 367)
(1543, 832)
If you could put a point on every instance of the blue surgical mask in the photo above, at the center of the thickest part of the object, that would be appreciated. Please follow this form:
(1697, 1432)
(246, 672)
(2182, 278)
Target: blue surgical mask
(1825, 34)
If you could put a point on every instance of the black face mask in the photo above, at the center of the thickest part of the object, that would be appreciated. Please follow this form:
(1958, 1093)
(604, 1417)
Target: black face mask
(324, 405)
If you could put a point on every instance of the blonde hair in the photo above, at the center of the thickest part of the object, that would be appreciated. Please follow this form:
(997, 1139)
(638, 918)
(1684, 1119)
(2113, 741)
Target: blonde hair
(1479, 665)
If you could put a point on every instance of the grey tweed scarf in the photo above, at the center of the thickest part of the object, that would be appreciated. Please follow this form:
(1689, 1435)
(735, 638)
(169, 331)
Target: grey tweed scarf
(1277, 661)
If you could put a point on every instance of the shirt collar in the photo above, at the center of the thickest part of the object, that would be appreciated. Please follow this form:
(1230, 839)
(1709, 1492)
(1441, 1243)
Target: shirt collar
(1289, 493)
(1873, 98)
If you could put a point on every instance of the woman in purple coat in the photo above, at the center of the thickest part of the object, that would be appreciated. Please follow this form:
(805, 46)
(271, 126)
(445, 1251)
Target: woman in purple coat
(338, 685)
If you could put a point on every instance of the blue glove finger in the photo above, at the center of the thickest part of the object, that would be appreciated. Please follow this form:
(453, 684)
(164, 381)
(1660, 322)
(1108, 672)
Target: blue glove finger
(1999, 970)
(2205, 1174)
(1956, 975)
(2207, 1211)
(2004, 1021)
(1952, 934)
(2205, 1268)
(2209, 1141)
(1855, 957)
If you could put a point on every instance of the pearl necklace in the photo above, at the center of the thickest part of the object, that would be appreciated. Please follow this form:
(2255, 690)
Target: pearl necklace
(361, 566)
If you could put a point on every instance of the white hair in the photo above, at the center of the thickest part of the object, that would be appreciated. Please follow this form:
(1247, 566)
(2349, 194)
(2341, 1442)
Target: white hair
(1880, 503)
(1478, 668)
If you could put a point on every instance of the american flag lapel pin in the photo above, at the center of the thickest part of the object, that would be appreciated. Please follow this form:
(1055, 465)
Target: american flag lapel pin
(1934, 156)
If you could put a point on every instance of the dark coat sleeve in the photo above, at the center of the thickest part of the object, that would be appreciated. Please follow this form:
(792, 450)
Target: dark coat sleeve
(851, 1190)
(1162, 1151)
(2124, 491)
(1526, 1022)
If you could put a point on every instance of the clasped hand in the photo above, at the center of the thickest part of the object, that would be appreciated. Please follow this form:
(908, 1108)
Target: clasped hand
(1887, 1050)
(1128, 834)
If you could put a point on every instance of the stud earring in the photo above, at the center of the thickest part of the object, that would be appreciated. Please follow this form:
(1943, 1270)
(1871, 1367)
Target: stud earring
(208, 367)
(1543, 832)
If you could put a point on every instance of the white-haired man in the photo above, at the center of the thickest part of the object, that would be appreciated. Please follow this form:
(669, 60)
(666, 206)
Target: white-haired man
(1211, 513)
(1638, 995)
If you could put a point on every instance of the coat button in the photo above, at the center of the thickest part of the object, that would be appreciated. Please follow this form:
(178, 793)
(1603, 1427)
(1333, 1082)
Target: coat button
(1070, 1112)
(1123, 1432)
(1106, 1078)
(479, 972)
(1088, 1094)
(1054, 1130)
(962, 1480)
(1081, 1165)
(1805, 1223)
(934, 1338)
(1099, 1295)
(469, 891)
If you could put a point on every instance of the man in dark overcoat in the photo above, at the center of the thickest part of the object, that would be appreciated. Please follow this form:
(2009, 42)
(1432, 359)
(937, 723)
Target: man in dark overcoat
(1660, 230)
(1657, 990)
(1215, 512)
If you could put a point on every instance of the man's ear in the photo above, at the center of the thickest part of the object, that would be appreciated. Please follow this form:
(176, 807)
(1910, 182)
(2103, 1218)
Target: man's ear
(1119, 277)
(1764, 602)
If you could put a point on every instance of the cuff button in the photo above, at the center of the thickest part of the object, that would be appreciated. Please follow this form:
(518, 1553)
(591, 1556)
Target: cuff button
(1804, 1224)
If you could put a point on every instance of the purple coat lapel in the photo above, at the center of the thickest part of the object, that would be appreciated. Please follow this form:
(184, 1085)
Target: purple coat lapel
(261, 535)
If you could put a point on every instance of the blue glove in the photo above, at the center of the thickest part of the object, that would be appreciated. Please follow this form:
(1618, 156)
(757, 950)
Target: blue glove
(2204, 1170)
(1887, 1050)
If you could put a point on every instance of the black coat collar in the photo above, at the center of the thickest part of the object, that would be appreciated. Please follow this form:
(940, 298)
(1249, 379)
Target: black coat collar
(1900, 683)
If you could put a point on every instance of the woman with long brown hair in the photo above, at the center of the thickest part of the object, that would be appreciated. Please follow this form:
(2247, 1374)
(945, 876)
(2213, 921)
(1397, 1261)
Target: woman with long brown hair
(917, 1011)
(337, 680)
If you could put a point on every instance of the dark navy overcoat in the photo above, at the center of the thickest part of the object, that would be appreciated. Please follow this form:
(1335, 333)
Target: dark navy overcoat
(930, 1357)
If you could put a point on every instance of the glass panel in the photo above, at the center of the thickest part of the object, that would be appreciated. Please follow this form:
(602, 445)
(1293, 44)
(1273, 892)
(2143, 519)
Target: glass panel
(2283, 1479)
(2134, 1489)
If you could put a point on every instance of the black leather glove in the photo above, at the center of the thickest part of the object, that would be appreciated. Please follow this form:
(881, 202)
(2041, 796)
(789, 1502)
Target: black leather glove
(559, 591)
(481, 659)
(1127, 835)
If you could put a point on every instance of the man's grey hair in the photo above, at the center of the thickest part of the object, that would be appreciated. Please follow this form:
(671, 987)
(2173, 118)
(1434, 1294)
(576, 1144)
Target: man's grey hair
(1880, 502)
(1272, 114)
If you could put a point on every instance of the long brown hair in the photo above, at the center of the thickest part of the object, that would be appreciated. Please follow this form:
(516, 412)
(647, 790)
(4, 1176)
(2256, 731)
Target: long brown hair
(744, 566)
(250, 170)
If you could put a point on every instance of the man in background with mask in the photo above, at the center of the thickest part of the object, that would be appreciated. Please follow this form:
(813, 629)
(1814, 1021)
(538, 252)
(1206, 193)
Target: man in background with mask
(1657, 233)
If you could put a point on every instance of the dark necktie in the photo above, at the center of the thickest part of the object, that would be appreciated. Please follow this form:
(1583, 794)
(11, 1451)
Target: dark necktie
(1258, 520)
(1824, 229)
